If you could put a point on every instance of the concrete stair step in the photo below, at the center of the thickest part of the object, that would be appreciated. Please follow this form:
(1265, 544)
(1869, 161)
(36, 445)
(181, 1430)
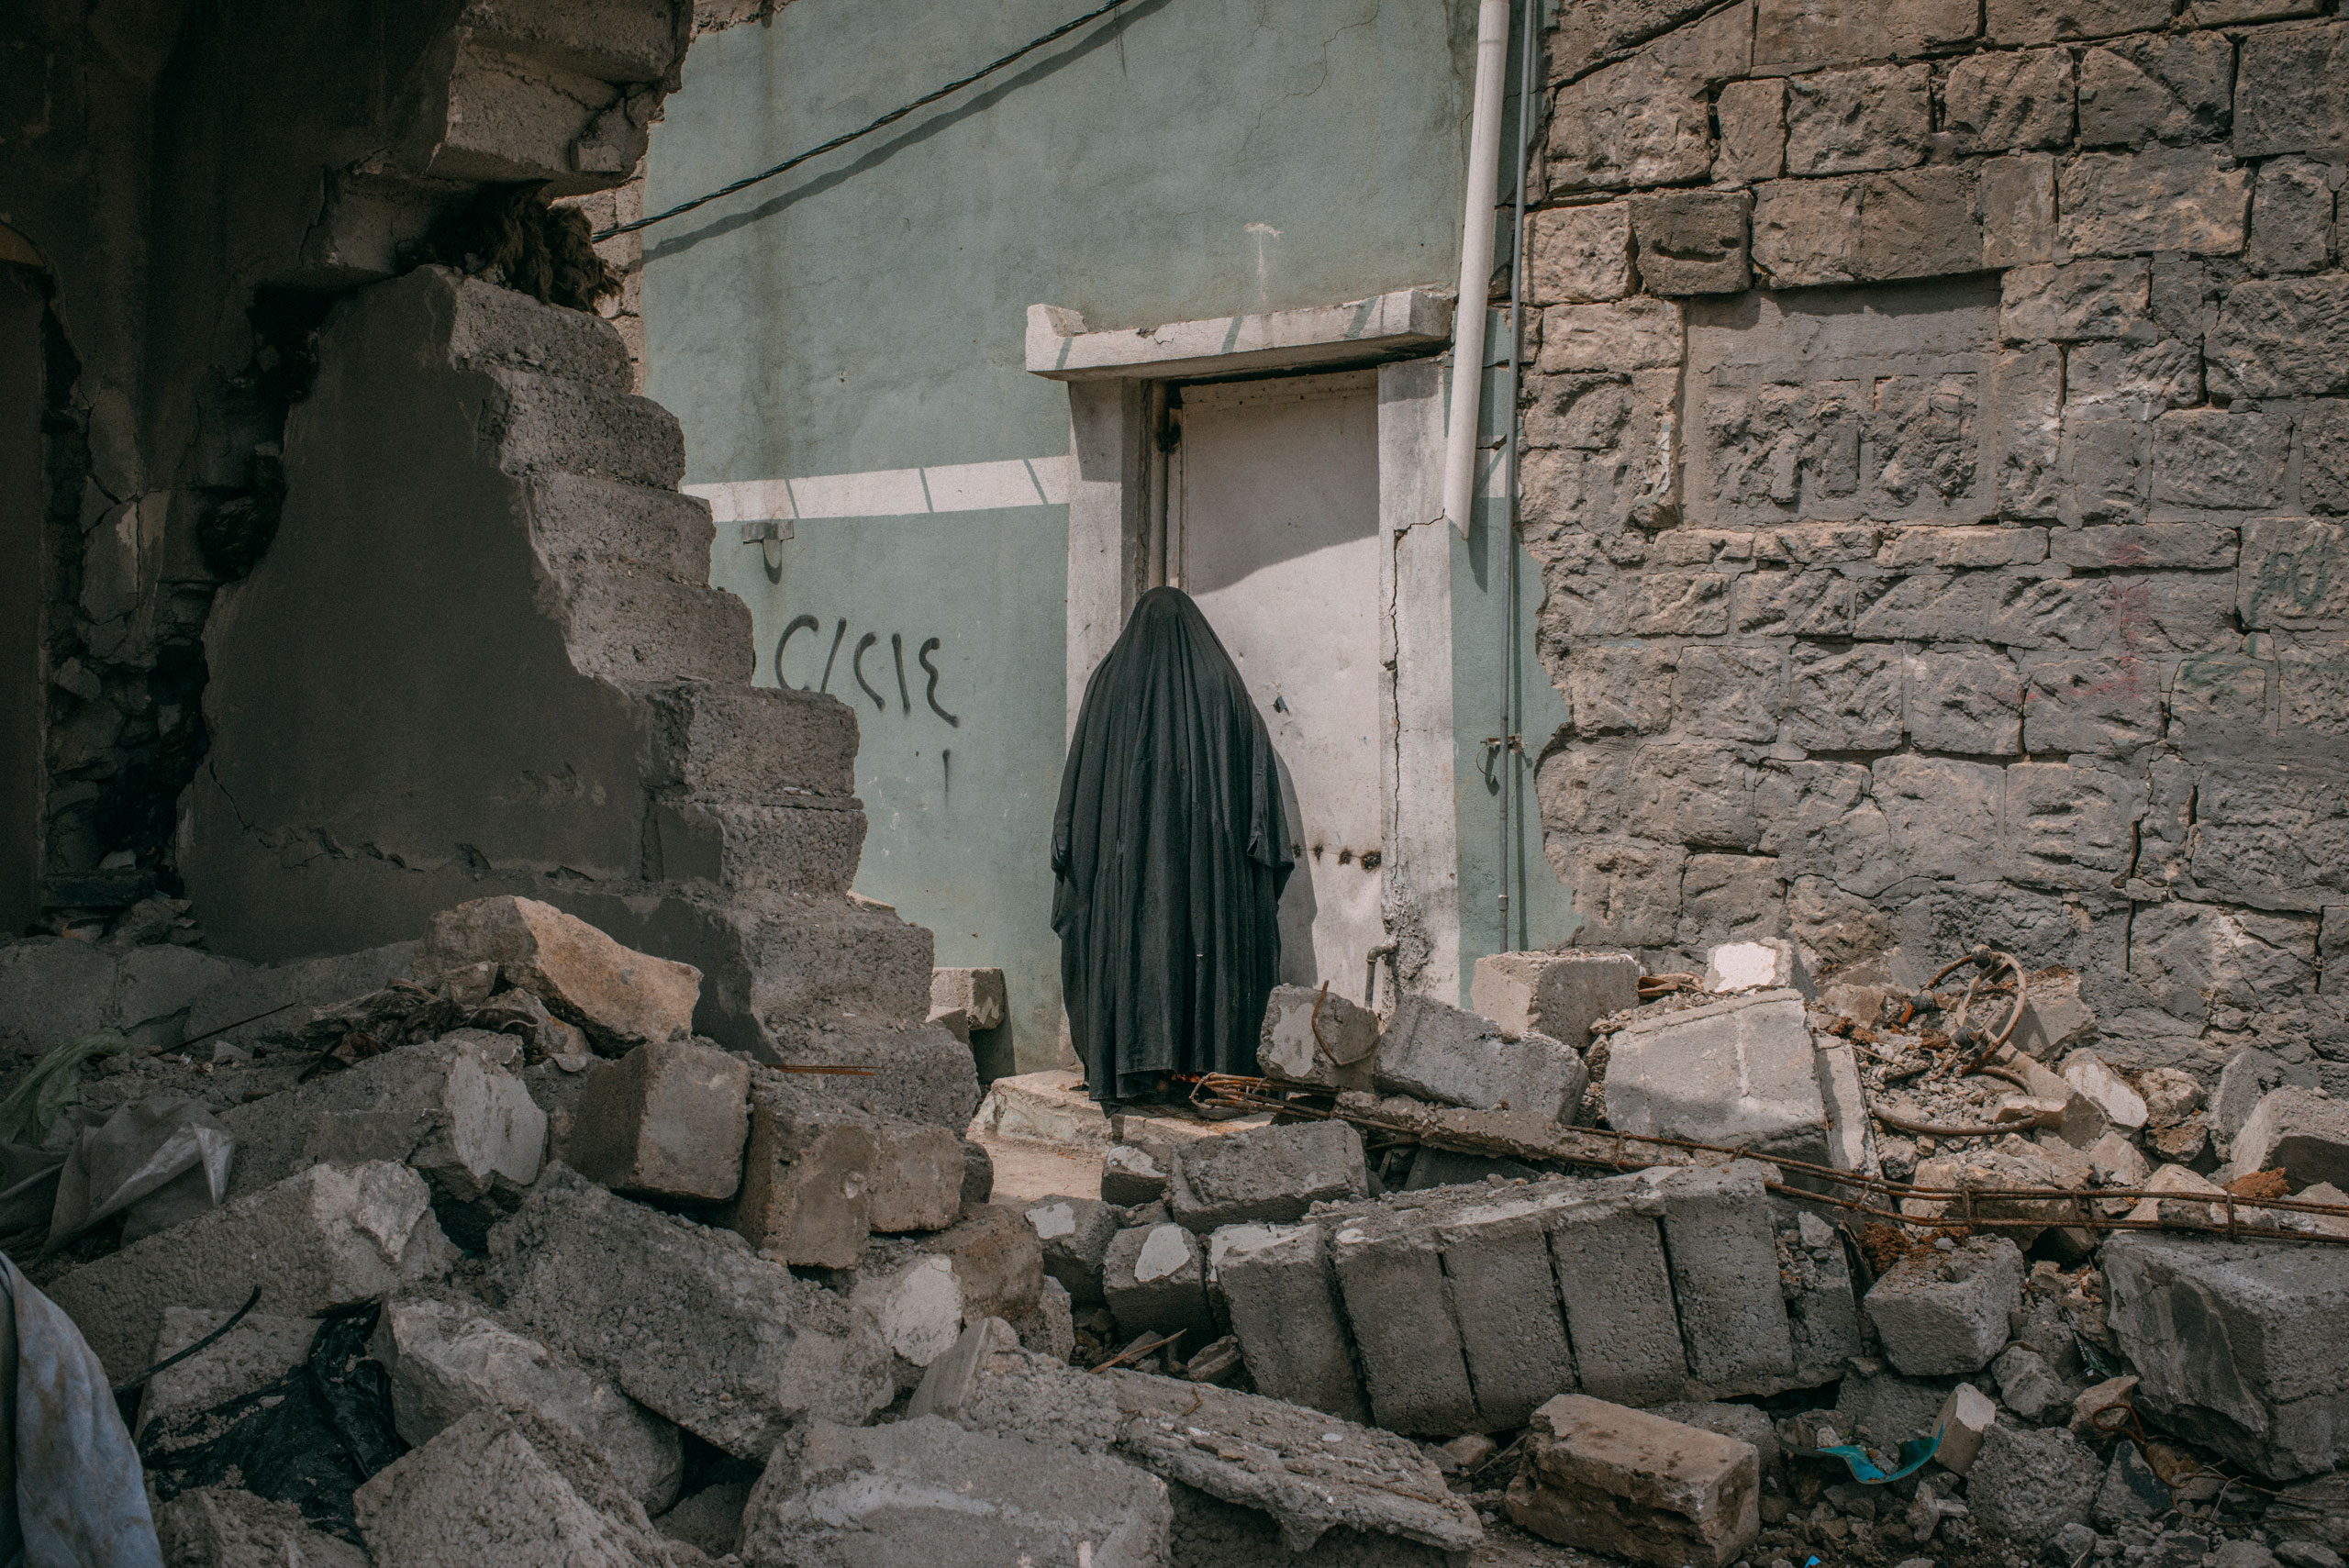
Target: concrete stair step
(810, 849)
(550, 424)
(642, 627)
(737, 742)
(612, 40)
(580, 521)
(497, 328)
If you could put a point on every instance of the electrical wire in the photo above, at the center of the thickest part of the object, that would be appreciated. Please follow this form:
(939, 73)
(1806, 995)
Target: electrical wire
(893, 115)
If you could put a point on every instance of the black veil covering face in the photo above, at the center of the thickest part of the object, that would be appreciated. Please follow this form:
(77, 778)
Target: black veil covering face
(1169, 855)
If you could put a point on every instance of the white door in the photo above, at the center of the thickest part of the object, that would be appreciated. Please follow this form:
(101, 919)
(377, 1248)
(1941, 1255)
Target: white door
(1273, 528)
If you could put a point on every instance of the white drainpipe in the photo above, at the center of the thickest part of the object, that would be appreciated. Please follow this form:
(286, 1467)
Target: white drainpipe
(1476, 263)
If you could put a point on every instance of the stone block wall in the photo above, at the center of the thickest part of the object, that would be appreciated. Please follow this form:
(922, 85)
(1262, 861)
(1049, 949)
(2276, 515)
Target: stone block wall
(1938, 465)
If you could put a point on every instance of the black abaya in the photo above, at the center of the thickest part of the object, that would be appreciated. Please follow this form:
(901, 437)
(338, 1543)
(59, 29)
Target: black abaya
(1170, 851)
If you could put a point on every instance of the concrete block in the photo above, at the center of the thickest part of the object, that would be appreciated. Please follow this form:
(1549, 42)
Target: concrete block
(222, 1527)
(2088, 1073)
(1312, 1037)
(687, 1320)
(2055, 1019)
(1155, 1279)
(621, 998)
(487, 1489)
(669, 1118)
(324, 1239)
(1725, 1278)
(449, 1358)
(1051, 1329)
(927, 1491)
(1390, 1273)
(2220, 1333)
(1282, 1296)
(919, 1074)
(1741, 1072)
(2026, 1386)
(1440, 1053)
(805, 1188)
(1625, 1484)
(953, 1377)
(1768, 965)
(263, 1348)
(736, 741)
(1613, 1276)
(1947, 1315)
(1554, 993)
(915, 1301)
(2303, 1132)
(1512, 1326)
(2246, 1079)
(917, 1182)
(998, 1261)
(1965, 1417)
(2089, 1405)
(1266, 1173)
(2027, 1484)
(1131, 1176)
(1822, 1311)
(1042, 1107)
(1075, 1234)
(961, 1000)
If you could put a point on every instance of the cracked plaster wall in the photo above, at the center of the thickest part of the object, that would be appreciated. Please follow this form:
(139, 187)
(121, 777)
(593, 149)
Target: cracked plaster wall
(1938, 461)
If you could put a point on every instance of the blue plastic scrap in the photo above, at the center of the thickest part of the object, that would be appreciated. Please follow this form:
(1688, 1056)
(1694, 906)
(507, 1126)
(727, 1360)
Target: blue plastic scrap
(1914, 1454)
(77, 1496)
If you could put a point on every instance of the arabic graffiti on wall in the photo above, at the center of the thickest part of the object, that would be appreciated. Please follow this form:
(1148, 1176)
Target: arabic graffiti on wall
(866, 666)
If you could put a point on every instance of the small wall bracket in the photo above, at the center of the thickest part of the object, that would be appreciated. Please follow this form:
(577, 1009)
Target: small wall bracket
(768, 534)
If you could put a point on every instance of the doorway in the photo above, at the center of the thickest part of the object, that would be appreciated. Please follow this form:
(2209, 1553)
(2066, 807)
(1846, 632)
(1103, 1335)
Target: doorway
(1272, 525)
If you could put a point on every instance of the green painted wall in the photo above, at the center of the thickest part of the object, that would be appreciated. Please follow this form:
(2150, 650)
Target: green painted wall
(1191, 159)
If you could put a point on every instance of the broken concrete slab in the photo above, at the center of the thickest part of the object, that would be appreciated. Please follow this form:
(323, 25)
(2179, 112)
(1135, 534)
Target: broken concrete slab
(1946, 1316)
(806, 1191)
(1075, 1233)
(486, 1489)
(961, 1000)
(272, 1001)
(1630, 1485)
(1441, 1054)
(222, 1527)
(998, 1260)
(455, 1109)
(1555, 994)
(954, 1376)
(1741, 1072)
(2304, 1133)
(1281, 1292)
(1965, 1417)
(620, 997)
(1312, 1037)
(2027, 1484)
(669, 1118)
(1823, 1310)
(1131, 1176)
(2222, 1333)
(1266, 1173)
(1051, 1108)
(448, 1358)
(2247, 1078)
(1155, 1279)
(1771, 966)
(687, 1320)
(2054, 1018)
(2092, 1076)
(261, 1348)
(927, 1491)
(325, 1238)
(916, 1304)
(918, 1172)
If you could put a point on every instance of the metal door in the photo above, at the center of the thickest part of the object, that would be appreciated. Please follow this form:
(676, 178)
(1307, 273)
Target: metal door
(1272, 521)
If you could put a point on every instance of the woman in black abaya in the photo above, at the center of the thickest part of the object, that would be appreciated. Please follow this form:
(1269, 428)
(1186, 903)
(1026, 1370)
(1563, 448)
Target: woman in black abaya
(1170, 851)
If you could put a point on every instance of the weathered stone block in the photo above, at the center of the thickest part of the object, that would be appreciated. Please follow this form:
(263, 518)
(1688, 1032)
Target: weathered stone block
(1692, 241)
(2017, 207)
(1729, 694)
(2302, 1132)
(1845, 699)
(2140, 378)
(2291, 577)
(2292, 92)
(2220, 458)
(2027, 1484)
(2291, 217)
(1155, 1279)
(1441, 1054)
(2164, 87)
(2324, 456)
(2027, 391)
(806, 1185)
(2102, 462)
(1635, 123)
(1283, 1295)
(1577, 255)
(1625, 1484)
(669, 1117)
(2284, 337)
(1628, 891)
(1914, 224)
(2160, 199)
(1965, 701)
(1942, 815)
(1312, 1037)
(1793, 604)
(1807, 33)
(621, 998)
(687, 1320)
(1936, 607)
(1634, 334)
(1946, 1316)
(1272, 1173)
(1844, 122)
(2074, 827)
(1554, 993)
(1752, 118)
(927, 1491)
(2075, 301)
(2218, 1332)
(2033, 21)
(1739, 1072)
(449, 1358)
(324, 1239)
(1996, 102)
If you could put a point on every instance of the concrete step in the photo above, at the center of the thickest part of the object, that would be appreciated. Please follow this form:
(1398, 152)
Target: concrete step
(640, 627)
(737, 742)
(548, 424)
(612, 40)
(578, 520)
(810, 849)
(1049, 1107)
(497, 328)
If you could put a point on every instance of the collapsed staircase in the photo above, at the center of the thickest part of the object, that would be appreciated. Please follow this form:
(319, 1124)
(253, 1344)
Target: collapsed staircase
(483, 657)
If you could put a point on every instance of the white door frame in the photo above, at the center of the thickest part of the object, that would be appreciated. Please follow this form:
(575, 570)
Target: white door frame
(1112, 513)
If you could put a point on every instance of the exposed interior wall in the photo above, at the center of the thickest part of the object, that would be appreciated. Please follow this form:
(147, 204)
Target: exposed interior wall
(1937, 474)
(865, 316)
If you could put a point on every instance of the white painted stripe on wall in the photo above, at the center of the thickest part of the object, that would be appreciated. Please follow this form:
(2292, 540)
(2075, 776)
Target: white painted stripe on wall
(893, 492)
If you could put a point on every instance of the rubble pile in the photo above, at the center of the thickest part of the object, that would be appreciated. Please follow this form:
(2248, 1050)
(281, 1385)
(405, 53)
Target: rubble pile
(491, 1259)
